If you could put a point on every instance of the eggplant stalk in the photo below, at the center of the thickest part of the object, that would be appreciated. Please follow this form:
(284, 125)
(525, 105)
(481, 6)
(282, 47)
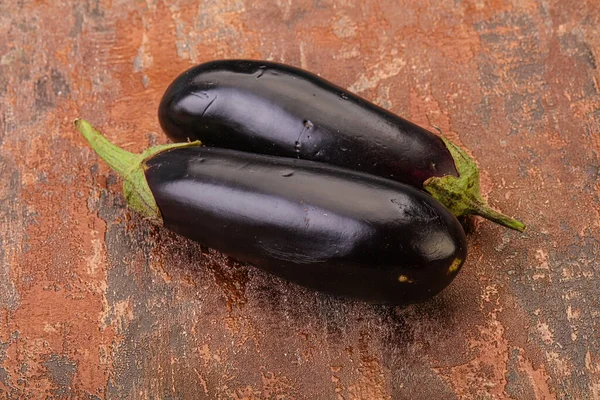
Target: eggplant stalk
(462, 194)
(130, 167)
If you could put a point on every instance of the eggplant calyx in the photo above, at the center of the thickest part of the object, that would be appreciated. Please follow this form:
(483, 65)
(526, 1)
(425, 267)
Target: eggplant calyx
(130, 167)
(462, 194)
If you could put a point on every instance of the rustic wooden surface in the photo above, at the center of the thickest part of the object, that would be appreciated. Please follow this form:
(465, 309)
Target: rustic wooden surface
(95, 303)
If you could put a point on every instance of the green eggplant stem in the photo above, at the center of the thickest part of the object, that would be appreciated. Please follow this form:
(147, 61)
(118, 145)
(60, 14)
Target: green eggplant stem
(462, 194)
(130, 167)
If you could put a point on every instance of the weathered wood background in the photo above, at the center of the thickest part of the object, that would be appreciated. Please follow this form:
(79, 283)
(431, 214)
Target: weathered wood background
(96, 303)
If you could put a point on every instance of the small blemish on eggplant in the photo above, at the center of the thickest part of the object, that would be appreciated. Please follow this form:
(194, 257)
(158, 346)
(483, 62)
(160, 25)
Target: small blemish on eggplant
(454, 266)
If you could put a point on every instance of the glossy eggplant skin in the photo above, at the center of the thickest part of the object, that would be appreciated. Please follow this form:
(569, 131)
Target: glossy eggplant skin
(276, 109)
(334, 230)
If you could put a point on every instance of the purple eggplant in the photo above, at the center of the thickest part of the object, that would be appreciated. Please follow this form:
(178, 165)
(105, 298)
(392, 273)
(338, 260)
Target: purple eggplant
(327, 228)
(275, 109)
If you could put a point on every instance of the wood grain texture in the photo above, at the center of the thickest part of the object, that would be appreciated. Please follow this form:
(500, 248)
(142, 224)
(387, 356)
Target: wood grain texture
(96, 303)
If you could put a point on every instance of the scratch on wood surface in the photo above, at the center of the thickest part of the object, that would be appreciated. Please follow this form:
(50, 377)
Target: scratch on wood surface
(303, 62)
(389, 66)
(11, 234)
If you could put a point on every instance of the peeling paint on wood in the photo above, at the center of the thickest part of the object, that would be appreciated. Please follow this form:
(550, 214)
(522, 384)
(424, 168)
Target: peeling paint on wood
(95, 303)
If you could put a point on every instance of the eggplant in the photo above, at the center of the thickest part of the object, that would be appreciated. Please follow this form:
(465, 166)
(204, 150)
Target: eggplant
(327, 228)
(276, 109)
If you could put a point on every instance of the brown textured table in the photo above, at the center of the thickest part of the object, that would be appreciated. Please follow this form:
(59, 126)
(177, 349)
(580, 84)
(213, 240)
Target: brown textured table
(96, 303)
